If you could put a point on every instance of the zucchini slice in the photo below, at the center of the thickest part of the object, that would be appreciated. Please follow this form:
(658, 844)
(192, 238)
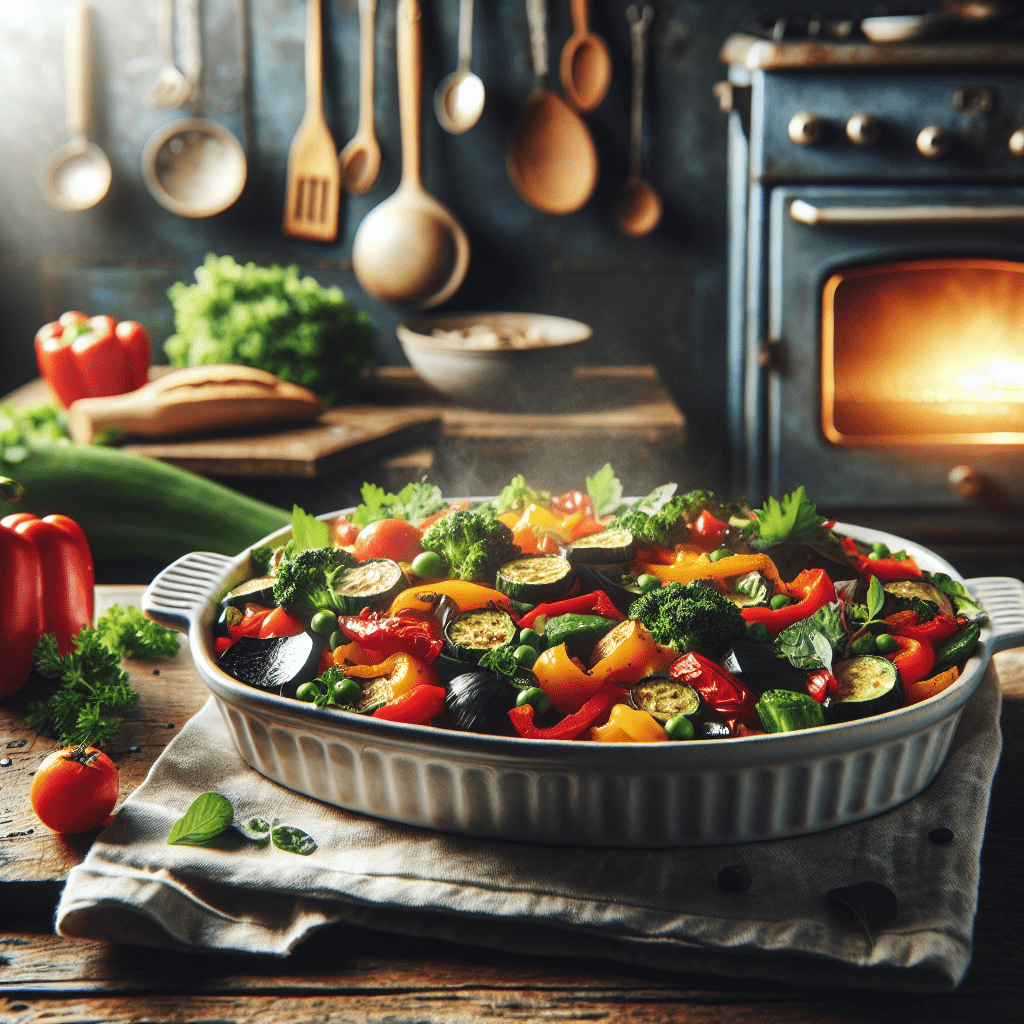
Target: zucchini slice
(868, 685)
(534, 579)
(372, 584)
(663, 698)
(609, 547)
(472, 633)
(259, 590)
(918, 588)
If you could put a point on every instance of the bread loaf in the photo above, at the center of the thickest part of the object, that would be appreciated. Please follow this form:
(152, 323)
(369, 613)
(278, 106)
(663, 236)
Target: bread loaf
(195, 400)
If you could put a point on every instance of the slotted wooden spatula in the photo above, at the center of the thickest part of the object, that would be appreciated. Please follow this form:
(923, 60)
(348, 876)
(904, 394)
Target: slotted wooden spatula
(314, 178)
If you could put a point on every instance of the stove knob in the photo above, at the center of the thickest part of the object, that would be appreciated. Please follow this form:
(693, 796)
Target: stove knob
(805, 128)
(1017, 142)
(933, 141)
(863, 130)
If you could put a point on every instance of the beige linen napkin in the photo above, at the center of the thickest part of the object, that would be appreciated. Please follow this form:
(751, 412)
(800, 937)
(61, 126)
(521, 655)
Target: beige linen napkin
(659, 908)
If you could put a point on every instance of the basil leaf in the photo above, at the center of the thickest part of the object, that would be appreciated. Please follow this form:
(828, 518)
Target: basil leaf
(875, 598)
(871, 904)
(798, 643)
(308, 531)
(256, 829)
(605, 490)
(208, 816)
(292, 840)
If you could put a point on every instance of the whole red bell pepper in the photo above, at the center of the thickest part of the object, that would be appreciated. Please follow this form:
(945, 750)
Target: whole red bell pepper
(91, 357)
(813, 590)
(572, 726)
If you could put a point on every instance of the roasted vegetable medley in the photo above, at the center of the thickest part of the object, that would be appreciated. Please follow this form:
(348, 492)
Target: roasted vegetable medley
(583, 617)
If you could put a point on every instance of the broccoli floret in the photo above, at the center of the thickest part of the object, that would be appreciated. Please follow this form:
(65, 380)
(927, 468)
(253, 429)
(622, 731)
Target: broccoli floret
(689, 617)
(669, 524)
(307, 580)
(472, 545)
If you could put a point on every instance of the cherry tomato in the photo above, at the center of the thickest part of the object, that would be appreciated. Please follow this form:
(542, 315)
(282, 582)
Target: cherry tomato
(345, 533)
(75, 789)
(388, 538)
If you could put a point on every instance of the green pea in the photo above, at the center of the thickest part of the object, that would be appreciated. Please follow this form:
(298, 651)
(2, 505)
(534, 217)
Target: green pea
(720, 554)
(885, 643)
(779, 601)
(759, 632)
(864, 645)
(648, 581)
(346, 691)
(308, 691)
(428, 565)
(324, 622)
(530, 637)
(337, 639)
(535, 697)
(879, 550)
(525, 655)
(679, 728)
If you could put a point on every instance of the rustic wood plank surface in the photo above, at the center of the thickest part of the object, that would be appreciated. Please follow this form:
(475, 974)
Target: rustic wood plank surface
(349, 974)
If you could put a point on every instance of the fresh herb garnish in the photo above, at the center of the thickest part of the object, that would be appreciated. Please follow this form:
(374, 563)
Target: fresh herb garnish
(812, 642)
(794, 518)
(93, 694)
(308, 531)
(872, 905)
(605, 491)
(415, 501)
(210, 815)
(131, 634)
(501, 661)
(515, 496)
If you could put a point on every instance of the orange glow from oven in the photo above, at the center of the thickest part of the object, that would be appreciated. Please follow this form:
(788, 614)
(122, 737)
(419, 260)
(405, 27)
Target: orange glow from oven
(925, 352)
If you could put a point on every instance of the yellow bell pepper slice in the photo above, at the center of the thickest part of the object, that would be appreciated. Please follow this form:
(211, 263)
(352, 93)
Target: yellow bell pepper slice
(628, 725)
(691, 565)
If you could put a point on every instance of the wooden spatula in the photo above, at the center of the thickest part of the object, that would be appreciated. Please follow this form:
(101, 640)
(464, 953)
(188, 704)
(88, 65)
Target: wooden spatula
(314, 178)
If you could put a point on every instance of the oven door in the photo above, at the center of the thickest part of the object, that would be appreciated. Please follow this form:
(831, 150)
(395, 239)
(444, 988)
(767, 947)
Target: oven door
(893, 363)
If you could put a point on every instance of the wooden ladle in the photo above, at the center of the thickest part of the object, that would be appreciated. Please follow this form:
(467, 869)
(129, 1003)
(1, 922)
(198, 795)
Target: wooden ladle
(637, 208)
(551, 158)
(586, 65)
(360, 159)
(410, 249)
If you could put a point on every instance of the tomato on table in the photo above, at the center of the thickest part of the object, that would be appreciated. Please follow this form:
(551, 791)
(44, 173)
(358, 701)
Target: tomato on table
(396, 539)
(75, 789)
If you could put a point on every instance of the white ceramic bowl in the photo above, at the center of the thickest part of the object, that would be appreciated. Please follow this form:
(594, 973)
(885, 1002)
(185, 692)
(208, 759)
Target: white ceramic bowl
(694, 793)
(462, 355)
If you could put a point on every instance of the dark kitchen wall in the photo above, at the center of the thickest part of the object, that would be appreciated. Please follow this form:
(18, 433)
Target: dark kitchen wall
(661, 298)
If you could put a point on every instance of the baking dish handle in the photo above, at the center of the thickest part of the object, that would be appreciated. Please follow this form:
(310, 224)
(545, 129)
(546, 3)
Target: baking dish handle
(804, 212)
(1003, 598)
(181, 590)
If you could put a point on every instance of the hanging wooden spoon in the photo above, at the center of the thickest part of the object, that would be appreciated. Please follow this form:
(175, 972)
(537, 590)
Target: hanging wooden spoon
(551, 157)
(409, 249)
(360, 159)
(586, 66)
(637, 207)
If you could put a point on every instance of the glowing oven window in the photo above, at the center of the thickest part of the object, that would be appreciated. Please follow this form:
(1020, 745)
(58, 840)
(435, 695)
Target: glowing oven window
(924, 352)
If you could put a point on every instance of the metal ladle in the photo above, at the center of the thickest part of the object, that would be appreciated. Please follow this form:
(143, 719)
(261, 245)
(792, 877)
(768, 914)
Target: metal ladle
(459, 99)
(78, 175)
(637, 208)
(194, 167)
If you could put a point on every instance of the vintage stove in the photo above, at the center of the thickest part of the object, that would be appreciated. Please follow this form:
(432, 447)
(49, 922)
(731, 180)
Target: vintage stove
(876, 340)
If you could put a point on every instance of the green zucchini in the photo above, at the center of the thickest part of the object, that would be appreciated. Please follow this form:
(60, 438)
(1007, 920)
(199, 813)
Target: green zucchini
(609, 547)
(134, 507)
(958, 648)
(868, 685)
(908, 590)
(471, 633)
(664, 698)
(579, 633)
(534, 579)
(259, 590)
(788, 711)
(372, 584)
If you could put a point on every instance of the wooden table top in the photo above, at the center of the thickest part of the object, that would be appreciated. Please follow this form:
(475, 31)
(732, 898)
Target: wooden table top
(357, 975)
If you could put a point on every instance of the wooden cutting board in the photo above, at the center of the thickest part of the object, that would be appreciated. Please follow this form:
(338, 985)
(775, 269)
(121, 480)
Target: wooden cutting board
(338, 437)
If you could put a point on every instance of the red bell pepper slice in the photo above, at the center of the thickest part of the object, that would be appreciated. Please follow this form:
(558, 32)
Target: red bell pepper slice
(914, 661)
(814, 589)
(573, 501)
(281, 623)
(416, 707)
(251, 623)
(572, 726)
(820, 683)
(597, 602)
(722, 692)
(884, 568)
(935, 631)
(394, 634)
(708, 531)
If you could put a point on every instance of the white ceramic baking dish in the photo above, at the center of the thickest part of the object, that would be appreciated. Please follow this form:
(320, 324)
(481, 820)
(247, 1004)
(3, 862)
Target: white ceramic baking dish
(694, 793)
